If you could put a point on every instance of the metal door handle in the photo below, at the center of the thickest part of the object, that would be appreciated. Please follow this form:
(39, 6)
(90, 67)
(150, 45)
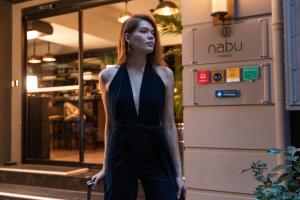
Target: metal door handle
(264, 37)
(194, 89)
(266, 73)
(193, 46)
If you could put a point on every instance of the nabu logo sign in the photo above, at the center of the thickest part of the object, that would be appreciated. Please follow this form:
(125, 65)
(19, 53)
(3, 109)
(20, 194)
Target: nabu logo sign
(225, 31)
(227, 47)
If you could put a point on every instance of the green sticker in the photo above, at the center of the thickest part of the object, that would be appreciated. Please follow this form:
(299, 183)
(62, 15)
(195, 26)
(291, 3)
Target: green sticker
(250, 73)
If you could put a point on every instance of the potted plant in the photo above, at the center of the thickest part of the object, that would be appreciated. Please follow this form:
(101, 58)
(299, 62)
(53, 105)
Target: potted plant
(175, 54)
(169, 25)
(283, 181)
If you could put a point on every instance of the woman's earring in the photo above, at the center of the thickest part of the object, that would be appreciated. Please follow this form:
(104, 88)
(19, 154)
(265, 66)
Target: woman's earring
(128, 48)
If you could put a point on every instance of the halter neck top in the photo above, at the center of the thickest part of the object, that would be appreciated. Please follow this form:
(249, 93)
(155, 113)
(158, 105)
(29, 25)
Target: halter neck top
(151, 97)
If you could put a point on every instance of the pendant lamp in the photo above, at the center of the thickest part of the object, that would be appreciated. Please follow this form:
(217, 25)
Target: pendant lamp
(38, 28)
(48, 57)
(125, 15)
(166, 8)
(34, 59)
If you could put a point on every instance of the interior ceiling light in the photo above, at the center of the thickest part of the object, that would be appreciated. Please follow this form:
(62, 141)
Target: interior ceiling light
(48, 57)
(166, 8)
(38, 28)
(34, 59)
(124, 16)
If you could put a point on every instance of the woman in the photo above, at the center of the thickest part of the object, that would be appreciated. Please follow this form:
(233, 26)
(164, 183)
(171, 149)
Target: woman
(140, 135)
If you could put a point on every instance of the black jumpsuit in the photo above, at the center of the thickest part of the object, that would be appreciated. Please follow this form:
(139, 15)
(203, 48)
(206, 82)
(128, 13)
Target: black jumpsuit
(138, 147)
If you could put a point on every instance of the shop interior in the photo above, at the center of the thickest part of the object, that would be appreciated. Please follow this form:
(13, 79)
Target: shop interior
(52, 95)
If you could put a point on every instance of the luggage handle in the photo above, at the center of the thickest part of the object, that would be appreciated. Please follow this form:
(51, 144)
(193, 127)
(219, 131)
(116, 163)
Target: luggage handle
(90, 184)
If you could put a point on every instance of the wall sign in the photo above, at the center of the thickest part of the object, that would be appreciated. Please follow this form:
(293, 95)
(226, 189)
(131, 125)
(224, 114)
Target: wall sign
(227, 93)
(244, 40)
(217, 76)
(250, 73)
(203, 76)
(219, 92)
(233, 75)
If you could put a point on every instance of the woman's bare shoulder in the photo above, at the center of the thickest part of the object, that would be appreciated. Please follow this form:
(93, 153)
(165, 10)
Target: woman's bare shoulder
(165, 73)
(107, 74)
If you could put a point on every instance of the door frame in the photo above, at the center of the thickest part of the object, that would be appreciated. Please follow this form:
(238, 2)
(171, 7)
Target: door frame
(50, 10)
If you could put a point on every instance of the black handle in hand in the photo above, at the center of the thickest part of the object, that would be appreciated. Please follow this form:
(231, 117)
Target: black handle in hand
(90, 184)
(182, 195)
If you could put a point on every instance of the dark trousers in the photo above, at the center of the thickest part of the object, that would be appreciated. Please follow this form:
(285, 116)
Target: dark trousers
(122, 184)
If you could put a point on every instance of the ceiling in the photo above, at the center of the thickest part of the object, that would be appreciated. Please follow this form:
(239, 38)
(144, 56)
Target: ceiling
(100, 28)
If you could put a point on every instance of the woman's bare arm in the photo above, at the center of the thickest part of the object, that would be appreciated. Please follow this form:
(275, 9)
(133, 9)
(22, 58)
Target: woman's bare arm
(104, 78)
(169, 126)
(102, 81)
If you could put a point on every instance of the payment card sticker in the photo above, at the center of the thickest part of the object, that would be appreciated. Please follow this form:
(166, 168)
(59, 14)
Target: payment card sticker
(250, 73)
(203, 76)
(217, 76)
(233, 75)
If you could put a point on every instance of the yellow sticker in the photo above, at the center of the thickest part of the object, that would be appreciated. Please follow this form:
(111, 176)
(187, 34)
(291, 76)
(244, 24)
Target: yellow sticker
(233, 75)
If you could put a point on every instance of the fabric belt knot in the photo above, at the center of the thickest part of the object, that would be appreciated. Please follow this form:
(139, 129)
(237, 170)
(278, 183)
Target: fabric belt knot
(136, 126)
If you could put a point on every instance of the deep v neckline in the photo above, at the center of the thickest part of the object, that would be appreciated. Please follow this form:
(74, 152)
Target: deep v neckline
(137, 111)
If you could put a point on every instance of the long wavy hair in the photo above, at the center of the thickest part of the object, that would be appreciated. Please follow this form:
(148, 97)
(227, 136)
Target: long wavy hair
(129, 26)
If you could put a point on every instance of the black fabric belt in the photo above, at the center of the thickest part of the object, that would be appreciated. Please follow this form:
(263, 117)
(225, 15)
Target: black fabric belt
(160, 141)
(133, 125)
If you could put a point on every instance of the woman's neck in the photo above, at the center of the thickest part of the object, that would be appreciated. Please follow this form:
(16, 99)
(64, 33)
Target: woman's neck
(136, 61)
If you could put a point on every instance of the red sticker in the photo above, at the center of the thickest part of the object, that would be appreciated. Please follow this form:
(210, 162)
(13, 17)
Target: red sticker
(203, 76)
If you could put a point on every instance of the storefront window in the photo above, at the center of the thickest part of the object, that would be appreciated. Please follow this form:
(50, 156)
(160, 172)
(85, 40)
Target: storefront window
(53, 90)
(53, 130)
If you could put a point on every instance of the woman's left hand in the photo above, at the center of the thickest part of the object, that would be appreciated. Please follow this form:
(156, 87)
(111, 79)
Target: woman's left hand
(180, 187)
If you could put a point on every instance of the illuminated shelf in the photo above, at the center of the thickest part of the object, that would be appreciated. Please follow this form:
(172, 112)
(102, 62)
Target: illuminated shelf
(54, 89)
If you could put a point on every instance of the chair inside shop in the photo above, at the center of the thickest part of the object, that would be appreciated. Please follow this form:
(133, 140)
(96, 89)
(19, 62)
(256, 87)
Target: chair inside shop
(56, 119)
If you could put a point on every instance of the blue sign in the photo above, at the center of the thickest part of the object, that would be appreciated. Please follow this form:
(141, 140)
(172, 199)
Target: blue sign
(227, 93)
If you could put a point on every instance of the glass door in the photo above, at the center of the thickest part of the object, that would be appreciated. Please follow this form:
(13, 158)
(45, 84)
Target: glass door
(100, 39)
(53, 111)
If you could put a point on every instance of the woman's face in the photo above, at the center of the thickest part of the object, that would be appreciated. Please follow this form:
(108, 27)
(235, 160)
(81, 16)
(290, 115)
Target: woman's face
(142, 40)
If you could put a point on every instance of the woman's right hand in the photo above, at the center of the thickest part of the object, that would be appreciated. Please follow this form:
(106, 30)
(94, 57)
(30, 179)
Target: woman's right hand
(97, 178)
